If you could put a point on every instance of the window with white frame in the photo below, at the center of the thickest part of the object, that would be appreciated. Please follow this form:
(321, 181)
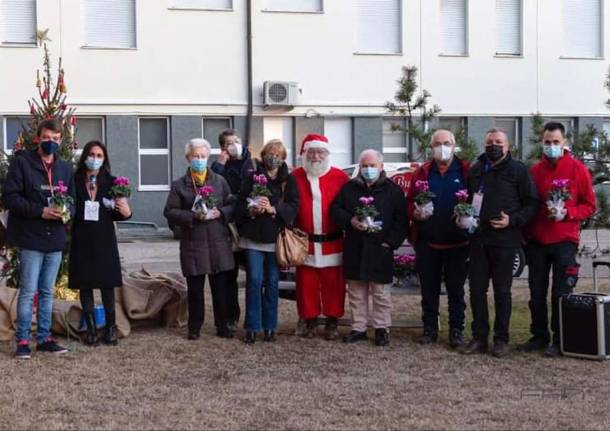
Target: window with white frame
(293, 5)
(454, 27)
(583, 28)
(109, 23)
(153, 144)
(378, 27)
(212, 126)
(17, 22)
(12, 127)
(281, 128)
(394, 140)
(201, 4)
(339, 132)
(509, 21)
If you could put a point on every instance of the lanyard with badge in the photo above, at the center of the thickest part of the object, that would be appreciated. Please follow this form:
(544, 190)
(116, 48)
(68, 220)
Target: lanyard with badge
(50, 186)
(92, 207)
(477, 198)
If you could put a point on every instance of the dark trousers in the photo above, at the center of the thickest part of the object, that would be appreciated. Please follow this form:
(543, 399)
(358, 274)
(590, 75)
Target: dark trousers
(434, 265)
(233, 310)
(495, 264)
(219, 285)
(88, 303)
(560, 257)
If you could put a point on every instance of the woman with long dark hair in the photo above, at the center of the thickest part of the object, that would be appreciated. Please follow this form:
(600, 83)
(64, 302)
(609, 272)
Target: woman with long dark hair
(94, 254)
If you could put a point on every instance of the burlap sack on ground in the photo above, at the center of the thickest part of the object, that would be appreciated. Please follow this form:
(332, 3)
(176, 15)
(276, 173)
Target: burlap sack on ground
(144, 296)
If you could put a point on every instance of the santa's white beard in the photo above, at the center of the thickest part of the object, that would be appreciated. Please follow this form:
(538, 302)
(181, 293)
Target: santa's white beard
(315, 169)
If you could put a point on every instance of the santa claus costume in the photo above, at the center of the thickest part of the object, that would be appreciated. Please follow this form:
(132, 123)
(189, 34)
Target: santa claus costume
(319, 282)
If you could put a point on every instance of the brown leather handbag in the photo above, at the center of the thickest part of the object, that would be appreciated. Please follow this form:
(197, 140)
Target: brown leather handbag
(291, 247)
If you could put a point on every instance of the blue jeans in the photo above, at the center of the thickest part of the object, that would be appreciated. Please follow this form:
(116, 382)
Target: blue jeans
(262, 274)
(38, 272)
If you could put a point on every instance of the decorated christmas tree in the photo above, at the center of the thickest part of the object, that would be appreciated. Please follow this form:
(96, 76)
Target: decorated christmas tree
(49, 104)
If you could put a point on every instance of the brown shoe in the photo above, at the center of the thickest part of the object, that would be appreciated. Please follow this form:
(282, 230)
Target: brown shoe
(475, 346)
(500, 349)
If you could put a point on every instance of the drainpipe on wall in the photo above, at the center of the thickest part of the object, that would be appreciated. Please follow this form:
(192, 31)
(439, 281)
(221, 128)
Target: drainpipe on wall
(249, 70)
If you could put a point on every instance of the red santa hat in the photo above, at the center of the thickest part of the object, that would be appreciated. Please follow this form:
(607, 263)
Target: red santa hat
(314, 141)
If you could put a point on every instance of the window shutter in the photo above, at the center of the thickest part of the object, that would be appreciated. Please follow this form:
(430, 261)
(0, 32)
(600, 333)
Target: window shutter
(454, 23)
(582, 30)
(109, 23)
(18, 21)
(378, 27)
(201, 4)
(294, 5)
(508, 27)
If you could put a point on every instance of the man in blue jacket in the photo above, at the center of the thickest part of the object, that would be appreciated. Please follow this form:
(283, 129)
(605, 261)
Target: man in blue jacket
(230, 165)
(37, 230)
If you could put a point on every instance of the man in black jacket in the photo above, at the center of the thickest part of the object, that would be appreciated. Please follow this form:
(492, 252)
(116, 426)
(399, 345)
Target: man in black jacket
(36, 228)
(230, 165)
(505, 199)
(368, 252)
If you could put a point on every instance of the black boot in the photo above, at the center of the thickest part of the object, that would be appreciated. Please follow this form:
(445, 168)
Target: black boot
(269, 336)
(111, 336)
(330, 330)
(310, 327)
(91, 336)
(250, 337)
(223, 331)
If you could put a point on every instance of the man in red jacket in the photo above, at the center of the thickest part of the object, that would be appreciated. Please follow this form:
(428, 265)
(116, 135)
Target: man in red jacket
(564, 186)
(319, 282)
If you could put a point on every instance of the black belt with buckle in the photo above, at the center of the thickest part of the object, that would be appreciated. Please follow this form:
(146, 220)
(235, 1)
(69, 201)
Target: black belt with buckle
(327, 237)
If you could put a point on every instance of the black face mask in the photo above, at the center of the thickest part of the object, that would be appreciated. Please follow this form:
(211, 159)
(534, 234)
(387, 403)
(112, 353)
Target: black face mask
(494, 152)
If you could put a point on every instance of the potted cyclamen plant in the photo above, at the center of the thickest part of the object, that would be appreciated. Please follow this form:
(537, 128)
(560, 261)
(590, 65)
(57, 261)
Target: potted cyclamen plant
(557, 198)
(204, 201)
(366, 214)
(120, 190)
(259, 190)
(423, 199)
(61, 201)
(404, 271)
(464, 212)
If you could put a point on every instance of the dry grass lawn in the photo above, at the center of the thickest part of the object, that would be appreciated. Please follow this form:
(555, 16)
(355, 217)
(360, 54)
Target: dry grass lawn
(156, 379)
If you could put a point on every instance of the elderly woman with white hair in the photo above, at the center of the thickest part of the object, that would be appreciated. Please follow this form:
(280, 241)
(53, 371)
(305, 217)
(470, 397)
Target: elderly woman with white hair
(200, 203)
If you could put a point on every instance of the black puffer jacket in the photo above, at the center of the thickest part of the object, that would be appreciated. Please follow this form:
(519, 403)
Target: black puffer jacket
(265, 228)
(25, 194)
(364, 256)
(507, 187)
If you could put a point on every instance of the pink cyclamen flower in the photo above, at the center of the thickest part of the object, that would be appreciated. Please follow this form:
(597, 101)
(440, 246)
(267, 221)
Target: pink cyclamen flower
(260, 179)
(206, 191)
(421, 186)
(561, 184)
(366, 200)
(61, 188)
(121, 181)
(461, 195)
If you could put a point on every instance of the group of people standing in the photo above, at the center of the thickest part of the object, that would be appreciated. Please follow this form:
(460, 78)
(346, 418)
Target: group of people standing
(39, 229)
(230, 213)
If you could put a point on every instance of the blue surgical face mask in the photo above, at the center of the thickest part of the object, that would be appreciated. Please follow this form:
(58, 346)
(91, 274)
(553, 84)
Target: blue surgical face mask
(370, 174)
(553, 151)
(199, 165)
(49, 147)
(93, 164)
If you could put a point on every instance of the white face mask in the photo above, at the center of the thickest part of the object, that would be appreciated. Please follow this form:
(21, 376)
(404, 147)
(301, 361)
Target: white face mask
(235, 150)
(442, 153)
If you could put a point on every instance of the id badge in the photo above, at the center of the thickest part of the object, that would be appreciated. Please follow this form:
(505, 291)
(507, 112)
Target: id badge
(92, 211)
(477, 203)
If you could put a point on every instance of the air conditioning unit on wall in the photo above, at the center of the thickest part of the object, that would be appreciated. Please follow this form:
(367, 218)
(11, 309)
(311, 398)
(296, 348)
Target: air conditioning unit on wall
(280, 94)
